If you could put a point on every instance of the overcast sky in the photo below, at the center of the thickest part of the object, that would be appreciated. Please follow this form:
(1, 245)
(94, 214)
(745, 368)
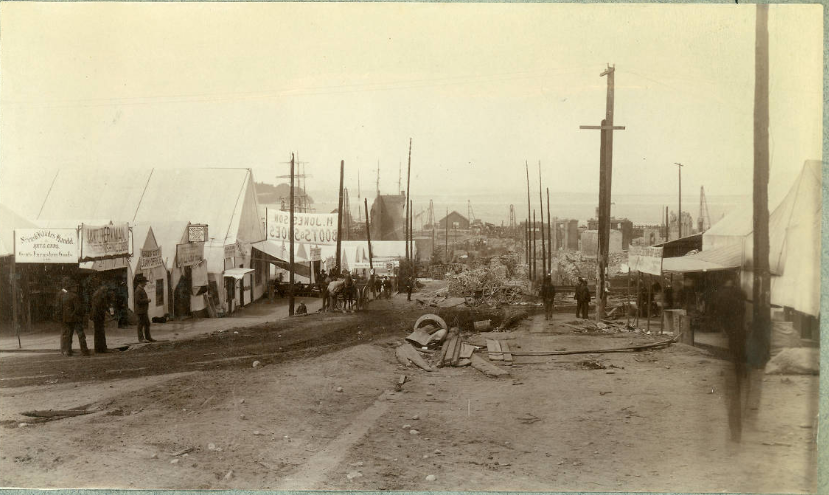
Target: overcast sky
(480, 88)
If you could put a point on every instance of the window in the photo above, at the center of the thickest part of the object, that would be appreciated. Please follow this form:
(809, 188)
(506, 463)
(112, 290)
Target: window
(159, 292)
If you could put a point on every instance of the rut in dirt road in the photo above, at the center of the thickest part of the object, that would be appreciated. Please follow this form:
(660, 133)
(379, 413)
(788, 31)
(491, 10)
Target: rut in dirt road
(269, 343)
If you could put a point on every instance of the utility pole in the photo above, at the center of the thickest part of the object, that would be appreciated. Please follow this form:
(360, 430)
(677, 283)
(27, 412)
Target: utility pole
(368, 235)
(534, 253)
(679, 216)
(529, 243)
(761, 290)
(408, 211)
(337, 266)
(411, 237)
(543, 247)
(549, 234)
(291, 233)
(605, 181)
(446, 240)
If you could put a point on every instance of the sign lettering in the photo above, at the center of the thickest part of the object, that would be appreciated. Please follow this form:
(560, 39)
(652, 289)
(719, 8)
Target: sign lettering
(645, 259)
(189, 254)
(46, 246)
(106, 241)
(314, 228)
(150, 258)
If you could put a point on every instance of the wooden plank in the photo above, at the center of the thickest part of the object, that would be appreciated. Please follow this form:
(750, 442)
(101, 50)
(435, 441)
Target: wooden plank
(466, 351)
(456, 353)
(507, 355)
(486, 367)
(447, 350)
(493, 347)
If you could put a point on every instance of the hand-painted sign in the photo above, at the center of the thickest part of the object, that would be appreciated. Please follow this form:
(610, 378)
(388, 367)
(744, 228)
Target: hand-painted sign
(189, 254)
(645, 259)
(46, 246)
(105, 241)
(150, 258)
(230, 251)
(315, 254)
(315, 228)
(197, 233)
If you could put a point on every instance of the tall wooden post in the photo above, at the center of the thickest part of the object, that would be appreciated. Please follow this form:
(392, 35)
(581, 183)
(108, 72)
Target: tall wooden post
(408, 210)
(446, 240)
(337, 265)
(15, 316)
(411, 241)
(605, 182)
(761, 291)
(650, 299)
(533, 249)
(530, 245)
(543, 247)
(368, 234)
(550, 235)
(679, 215)
(291, 243)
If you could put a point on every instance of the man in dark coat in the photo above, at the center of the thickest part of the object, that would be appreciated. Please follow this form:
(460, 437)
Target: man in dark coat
(71, 314)
(142, 305)
(100, 308)
(582, 299)
(548, 295)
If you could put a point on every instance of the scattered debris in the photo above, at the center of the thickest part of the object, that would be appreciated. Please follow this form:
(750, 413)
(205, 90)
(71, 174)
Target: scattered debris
(211, 446)
(182, 452)
(174, 461)
(414, 432)
(407, 354)
(486, 367)
(256, 364)
(400, 382)
(482, 326)
(592, 365)
(339, 389)
(229, 475)
(431, 477)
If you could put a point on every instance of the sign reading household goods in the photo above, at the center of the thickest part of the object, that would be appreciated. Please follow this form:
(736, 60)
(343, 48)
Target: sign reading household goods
(46, 246)
(150, 258)
(645, 259)
(105, 241)
(189, 254)
(315, 228)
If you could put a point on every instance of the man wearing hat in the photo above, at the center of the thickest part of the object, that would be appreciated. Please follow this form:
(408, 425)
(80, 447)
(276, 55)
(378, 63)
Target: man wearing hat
(142, 305)
(70, 312)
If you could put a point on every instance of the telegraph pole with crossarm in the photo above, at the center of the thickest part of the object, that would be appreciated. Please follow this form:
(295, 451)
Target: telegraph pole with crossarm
(605, 180)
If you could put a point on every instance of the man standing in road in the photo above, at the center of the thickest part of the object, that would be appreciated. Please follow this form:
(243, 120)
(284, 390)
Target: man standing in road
(100, 308)
(142, 305)
(582, 299)
(70, 311)
(548, 295)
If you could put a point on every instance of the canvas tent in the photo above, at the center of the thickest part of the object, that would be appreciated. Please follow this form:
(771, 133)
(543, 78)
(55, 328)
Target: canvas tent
(223, 199)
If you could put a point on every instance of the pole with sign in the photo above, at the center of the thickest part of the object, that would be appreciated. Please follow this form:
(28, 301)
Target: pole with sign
(291, 255)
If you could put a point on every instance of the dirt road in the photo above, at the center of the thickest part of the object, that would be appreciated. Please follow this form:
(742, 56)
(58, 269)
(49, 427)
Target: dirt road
(322, 413)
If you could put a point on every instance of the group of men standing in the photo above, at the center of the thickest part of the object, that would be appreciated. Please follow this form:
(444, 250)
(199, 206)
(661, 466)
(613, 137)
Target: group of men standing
(548, 295)
(71, 313)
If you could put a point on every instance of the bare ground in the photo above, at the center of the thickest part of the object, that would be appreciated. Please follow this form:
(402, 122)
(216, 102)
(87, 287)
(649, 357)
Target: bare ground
(646, 421)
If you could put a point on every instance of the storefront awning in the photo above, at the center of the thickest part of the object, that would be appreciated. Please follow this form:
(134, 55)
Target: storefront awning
(723, 258)
(237, 273)
(280, 250)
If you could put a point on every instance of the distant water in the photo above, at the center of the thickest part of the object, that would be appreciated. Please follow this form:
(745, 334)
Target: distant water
(641, 209)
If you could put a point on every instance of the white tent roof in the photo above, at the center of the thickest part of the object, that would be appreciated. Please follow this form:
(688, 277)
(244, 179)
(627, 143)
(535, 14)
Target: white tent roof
(9, 220)
(794, 245)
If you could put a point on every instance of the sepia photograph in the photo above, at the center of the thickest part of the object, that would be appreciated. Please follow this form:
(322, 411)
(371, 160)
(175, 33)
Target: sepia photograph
(422, 247)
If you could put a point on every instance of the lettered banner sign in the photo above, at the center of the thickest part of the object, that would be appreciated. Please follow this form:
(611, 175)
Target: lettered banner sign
(105, 241)
(46, 245)
(645, 259)
(314, 228)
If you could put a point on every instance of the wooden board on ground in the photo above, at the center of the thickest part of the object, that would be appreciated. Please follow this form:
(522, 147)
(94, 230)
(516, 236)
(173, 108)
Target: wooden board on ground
(450, 349)
(466, 351)
(507, 355)
(406, 353)
(456, 353)
(486, 367)
(493, 347)
(445, 349)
